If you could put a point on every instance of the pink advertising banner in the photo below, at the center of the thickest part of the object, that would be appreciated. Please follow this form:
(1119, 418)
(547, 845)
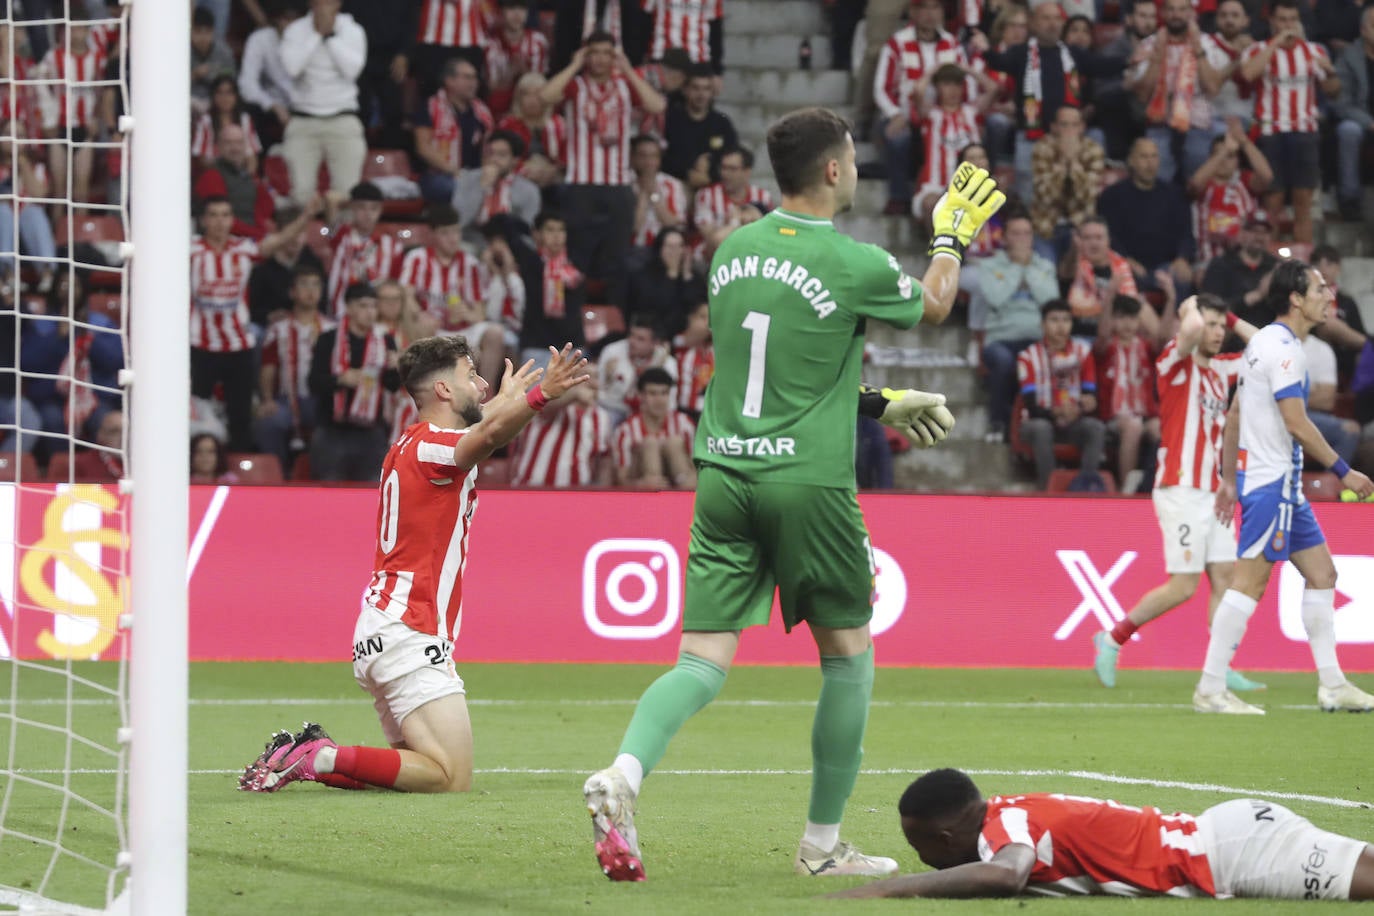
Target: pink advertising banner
(277, 573)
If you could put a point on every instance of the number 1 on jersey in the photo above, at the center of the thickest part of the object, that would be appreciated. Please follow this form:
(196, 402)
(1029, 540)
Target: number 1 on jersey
(757, 325)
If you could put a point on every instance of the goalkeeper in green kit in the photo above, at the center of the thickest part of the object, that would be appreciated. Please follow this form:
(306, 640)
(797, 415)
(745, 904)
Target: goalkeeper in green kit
(776, 505)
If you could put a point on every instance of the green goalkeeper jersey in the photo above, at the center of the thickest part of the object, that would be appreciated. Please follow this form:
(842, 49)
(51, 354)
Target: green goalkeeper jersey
(789, 296)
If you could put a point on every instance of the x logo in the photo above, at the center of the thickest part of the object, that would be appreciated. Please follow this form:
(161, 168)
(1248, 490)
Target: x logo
(1095, 588)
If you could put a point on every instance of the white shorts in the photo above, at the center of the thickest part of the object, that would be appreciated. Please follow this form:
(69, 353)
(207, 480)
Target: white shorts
(1193, 537)
(402, 668)
(1260, 849)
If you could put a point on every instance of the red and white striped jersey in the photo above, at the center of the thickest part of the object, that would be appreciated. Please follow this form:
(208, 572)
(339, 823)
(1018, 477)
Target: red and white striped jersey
(438, 285)
(712, 205)
(561, 448)
(22, 110)
(219, 294)
(695, 366)
(289, 345)
(1126, 380)
(506, 62)
(598, 118)
(1286, 96)
(903, 61)
(1218, 215)
(946, 133)
(105, 37)
(1192, 416)
(550, 141)
(361, 259)
(76, 71)
(684, 24)
(1090, 846)
(424, 518)
(673, 195)
(454, 23)
(203, 137)
(633, 431)
(1057, 378)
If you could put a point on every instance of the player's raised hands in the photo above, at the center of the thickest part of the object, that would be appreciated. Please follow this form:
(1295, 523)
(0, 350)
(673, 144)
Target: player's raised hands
(566, 370)
(515, 382)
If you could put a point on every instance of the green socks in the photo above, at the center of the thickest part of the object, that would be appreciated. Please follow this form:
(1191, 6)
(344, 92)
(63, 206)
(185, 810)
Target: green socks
(673, 699)
(838, 733)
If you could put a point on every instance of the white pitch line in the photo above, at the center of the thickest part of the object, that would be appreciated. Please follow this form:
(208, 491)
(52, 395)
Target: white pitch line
(1090, 775)
(745, 704)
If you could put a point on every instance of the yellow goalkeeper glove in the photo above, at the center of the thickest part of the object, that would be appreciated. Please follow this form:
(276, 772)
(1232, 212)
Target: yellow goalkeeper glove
(920, 416)
(970, 202)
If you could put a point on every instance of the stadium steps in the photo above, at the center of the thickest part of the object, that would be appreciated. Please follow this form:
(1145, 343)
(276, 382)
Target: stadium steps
(797, 18)
(770, 49)
(797, 88)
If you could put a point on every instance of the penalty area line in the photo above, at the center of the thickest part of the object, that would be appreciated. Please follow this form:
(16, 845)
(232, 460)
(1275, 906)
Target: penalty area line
(1087, 775)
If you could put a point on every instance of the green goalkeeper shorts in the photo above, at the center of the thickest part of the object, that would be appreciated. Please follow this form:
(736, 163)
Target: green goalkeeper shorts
(751, 537)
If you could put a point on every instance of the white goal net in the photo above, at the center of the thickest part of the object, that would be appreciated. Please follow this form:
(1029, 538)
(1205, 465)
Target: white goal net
(66, 491)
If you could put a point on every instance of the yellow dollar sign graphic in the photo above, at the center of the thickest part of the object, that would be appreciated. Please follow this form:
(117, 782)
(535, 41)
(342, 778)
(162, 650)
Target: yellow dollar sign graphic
(57, 546)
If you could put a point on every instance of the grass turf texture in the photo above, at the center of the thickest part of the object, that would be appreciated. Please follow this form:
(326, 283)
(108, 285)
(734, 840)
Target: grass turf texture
(520, 842)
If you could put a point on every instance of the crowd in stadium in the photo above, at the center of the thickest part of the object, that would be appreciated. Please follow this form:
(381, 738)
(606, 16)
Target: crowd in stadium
(525, 174)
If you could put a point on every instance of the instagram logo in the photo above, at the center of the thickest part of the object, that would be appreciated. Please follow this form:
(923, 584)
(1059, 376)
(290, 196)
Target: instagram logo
(889, 585)
(631, 588)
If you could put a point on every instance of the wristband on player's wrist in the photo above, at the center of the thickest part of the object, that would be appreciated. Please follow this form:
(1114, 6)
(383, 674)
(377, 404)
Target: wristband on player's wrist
(1231, 320)
(536, 398)
(1340, 468)
(947, 243)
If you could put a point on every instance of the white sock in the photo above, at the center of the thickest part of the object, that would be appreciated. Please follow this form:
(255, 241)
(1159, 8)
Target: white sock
(633, 770)
(1318, 619)
(1228, 629)
(824, 837)
(324, 759)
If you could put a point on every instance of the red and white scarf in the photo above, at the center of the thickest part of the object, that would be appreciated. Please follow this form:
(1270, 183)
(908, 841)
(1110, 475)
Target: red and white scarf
(603, 111)
(76, 378)
(1177, 112)
(496, 200)
(1083, 295)
(448, 133)
(362, 408)
(559, 274)
(1033, 91)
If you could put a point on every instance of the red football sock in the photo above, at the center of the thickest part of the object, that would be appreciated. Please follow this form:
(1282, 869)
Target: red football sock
(376, 766)
(339, 781)
(1123, 630)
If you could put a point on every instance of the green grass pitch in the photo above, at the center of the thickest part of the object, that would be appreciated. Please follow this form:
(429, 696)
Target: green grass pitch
(719, 821)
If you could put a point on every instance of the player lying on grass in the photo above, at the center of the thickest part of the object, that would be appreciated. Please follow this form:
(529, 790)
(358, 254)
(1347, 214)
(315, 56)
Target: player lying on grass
(412, 609)
(776, 507)
(1064, 845)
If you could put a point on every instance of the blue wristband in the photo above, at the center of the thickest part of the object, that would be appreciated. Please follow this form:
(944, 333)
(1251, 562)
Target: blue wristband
(1340, 468)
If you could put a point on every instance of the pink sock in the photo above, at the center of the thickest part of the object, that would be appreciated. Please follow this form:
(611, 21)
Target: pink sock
(376, 766)
(1123, 630)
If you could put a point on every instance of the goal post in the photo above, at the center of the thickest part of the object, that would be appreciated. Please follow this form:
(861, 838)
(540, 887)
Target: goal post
(160, 182)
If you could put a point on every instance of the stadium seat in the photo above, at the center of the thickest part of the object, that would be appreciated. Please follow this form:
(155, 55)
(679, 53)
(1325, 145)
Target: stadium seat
(1321, 486)
(256, 468)
(300, 468)
(494, 474)
(1284, 249)
(1060, 479)
(318, 240)
(59, 465)
(600, 320)
(388, 163)
(89, 229)
(410, 235)
(20, 467)
(1064, 452)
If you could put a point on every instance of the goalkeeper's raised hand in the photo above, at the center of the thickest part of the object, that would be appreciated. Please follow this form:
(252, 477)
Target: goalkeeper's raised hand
(972, 199)
(920, 416)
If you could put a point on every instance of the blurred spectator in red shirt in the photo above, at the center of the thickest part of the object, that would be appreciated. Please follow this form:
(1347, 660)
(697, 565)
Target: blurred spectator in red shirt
(624, 361)
(696, 360)
(450, 130)
(653, 449)
(362, 252)
(105, 462)
(512, 50)
(544, 132)
(230, 176)
(225, 108)
(568, 444)
(286, 410)
(209, 461)
(1126, 391)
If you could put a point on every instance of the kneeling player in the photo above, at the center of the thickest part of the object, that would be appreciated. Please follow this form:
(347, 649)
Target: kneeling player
(1062, 845)
(412, 609)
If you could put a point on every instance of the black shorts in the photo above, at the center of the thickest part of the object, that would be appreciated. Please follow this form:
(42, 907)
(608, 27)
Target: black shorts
(1295, 159)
